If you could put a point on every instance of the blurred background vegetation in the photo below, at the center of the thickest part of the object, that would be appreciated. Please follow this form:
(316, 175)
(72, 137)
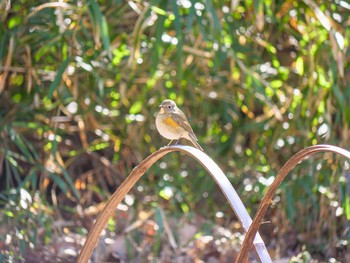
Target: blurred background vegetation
(80, 84)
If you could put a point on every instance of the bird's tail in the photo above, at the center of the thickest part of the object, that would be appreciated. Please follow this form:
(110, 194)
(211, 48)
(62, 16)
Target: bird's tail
(194, 141)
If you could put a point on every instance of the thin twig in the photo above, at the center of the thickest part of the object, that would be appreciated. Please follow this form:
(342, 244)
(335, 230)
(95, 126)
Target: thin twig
(48, 5)
(3, 77)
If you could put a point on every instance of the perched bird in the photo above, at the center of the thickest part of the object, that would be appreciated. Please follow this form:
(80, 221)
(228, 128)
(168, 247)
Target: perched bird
(172, 124)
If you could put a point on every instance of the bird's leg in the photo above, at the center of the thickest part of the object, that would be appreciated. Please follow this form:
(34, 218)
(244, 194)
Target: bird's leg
(178, 140)
(170, 143)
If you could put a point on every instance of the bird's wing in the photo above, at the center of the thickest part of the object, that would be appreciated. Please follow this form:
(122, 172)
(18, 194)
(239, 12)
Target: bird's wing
(181, 119)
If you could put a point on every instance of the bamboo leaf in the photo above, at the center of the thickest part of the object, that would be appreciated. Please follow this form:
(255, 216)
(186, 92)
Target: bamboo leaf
(100, 22)
(32, 177)
(69, 181)
(299, 66)
(56, 82)
(60, 183)
(215, 19)
(339, 96)
(179, 35)
(21, 145)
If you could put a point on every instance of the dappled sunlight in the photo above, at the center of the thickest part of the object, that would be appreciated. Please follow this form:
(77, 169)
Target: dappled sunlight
(80, 88)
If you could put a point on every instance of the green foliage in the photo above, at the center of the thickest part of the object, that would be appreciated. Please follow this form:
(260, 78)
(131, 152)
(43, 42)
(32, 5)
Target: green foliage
(80, 85)
(23, 217)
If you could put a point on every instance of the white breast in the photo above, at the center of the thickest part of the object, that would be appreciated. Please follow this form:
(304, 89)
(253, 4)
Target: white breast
(167, 132)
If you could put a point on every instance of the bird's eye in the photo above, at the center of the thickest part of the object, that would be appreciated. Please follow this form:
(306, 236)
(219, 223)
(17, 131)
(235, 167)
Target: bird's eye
(169, 107)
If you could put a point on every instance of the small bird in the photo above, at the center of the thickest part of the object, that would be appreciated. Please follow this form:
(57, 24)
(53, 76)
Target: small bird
(172, 124)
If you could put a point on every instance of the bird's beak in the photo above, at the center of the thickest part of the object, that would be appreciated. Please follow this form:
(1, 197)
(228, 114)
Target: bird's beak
(161, 109)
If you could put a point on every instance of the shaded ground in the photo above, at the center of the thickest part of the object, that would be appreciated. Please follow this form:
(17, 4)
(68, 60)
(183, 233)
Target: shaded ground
(149, 236)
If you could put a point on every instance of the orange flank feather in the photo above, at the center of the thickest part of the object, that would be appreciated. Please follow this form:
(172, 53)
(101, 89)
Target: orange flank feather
(170, 122)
